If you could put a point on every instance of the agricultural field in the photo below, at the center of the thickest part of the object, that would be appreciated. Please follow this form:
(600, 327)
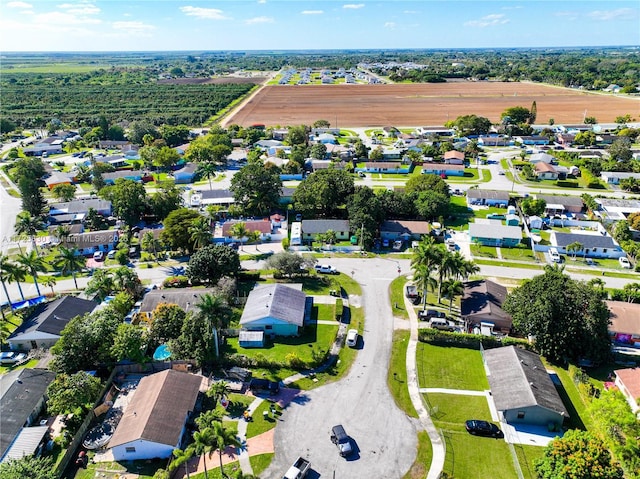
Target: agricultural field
(423, 104)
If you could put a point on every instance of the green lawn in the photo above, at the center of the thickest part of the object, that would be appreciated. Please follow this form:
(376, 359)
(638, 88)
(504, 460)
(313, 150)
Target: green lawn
(483, 251)
(260, 462)
(450, 367)
(321, 284)
(142, 469)
(470, 174)
(578, 415)
(396, 292)
(397, 374)
(526, 456)
(323, 312)
(424, 455)
(520, 253)
(507, 264)
(259, 423)
(450, 411)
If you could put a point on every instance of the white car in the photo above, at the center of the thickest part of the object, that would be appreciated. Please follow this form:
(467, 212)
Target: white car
(326, 269)
(98, 255)
(624, 262)
(352, 338)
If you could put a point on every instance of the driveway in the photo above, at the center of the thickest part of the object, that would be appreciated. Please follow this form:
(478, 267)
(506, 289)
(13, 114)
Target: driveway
(385, 438)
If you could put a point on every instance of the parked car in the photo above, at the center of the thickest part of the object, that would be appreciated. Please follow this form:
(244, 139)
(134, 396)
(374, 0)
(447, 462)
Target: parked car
(361, 174)
(442, 324)
(98, 255)
(299, 469)
(411, 291)
(624, 262)
(326, 269)
(11, 357)
(397, 245)
(352, 338)
(264, 385)
(554, 255)
(482, 428)
(340, 438)
(428, 314)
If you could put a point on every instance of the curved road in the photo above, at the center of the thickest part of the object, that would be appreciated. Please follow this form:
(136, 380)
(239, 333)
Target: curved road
(385, 436)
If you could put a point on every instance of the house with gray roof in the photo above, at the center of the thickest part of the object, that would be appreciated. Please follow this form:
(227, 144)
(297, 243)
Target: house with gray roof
(43, 328)
(559, 205)
(522, 389)
(614, 177)
(211, 197)
(81, 206)
(312, 228)
(497, 198)
(594, 245)
(495, 234)
(186, 298)
(276, 309)
(404, 230)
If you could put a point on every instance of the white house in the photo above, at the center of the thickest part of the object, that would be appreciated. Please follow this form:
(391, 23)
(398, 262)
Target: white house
(154, 421)
(593, 245)
(628, 382)
(614, 177)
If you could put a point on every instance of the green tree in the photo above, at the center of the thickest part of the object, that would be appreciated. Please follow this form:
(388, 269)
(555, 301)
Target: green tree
(138, 130)
(620, 149)
(69, 392)
(128, 198)
(424, 262)
(208, 170)
(49, 281)
(33, 201)
(209, 264)
(431, 204)
(167, 323)
(217, 313)
(176, 229)
(167, 198)
(28, 225)
(151, 244)
(28, 467)
(256, 189)
(516, 115)
(577, 455)
(34, 264)
(533, 207)
(218, 391)
(365, 214)
(64, 192)
(533, 113)
(239, 231)
(376, 154)
(200, 231)
(204, 445)
(471, 125)
(360, 150)
(174, 135)
(224, 438)
(69, 261)
(574, 248)
(5, 267)
(129, 343)
(297, 135)
(590, 120)
(289, 264)
(567, 317)
(16, 273)
(101, 284)
(420, 183)
(324, 192)
(181, 457)
(452, 288)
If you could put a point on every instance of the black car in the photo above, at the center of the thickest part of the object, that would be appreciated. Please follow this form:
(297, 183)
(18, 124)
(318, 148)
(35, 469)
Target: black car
(482, 428)
(264, 385)
(428, 314)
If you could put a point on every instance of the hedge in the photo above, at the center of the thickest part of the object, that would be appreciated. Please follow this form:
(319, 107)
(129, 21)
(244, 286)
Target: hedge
(471, 341)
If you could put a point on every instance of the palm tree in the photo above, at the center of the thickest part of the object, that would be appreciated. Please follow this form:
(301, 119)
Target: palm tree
(101, 284)
(424, 261)
(200, 231)
(27, 224)
(218, 390)
(216, 310)
(151, 244)
(16, 273)
(239, 230)
(62, 233)
(208, 170)
(208, 418)
(69, 261)
(33, 264)
(453, 288)
(49, 281)
(574, 248)
(254, 237)
(424, 281)
(223, 439)
(127, 280)
(5, 266)
(204, 443)
(445, 269)
(181, 457)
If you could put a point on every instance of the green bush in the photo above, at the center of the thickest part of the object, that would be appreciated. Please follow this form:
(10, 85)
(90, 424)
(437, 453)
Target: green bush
(122, 257)
(176, 282)
(285, 244)
(595, 184)
(567, 184)
(470, 341)
(249, 276)
(338, 309)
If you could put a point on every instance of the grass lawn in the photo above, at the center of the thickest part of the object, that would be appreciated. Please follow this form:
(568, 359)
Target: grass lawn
(470, 174)
(29, 364)
(323, 312)
(578, 416)
(520, 253)
(423, 458)
(237, 404)
(526, 456)
(321, 284)
(483, 251)
(313, 338)
(450, 367)
(507, 264)
(259, 424)
(397, 374)
(260, 462)
(450, 411)
(396, 292)
(142, 469)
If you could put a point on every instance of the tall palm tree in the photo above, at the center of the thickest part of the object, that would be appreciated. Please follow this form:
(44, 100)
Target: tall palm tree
(16, 273)
(424, 281)
(208, 170)
(239, 230)
(453, 288)
(208, 418)
(445, 269)
(200, 231)
(254, 237)
(204, 443)
(424, 262)
(5, 266)
(126, 279)
(49, 281)
(181, 457)
(28, 225)
(101, 284)
(62, 232)
(150, 243)
(216, 310)
(218, 390)
(33, 264)
(69, 261)
(223, 439)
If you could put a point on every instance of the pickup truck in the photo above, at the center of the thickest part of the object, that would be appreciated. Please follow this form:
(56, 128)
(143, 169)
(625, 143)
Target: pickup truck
(298, 470)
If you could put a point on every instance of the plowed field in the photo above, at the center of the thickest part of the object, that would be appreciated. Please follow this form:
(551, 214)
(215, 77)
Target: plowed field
(423, 104)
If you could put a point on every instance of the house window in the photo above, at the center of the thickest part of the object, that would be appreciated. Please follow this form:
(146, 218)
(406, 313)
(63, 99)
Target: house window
(268, 326)
(130, 449)
(520, 414)
(604, 250)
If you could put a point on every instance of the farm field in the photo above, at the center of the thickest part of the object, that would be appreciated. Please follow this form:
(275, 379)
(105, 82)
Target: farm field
(423, 104)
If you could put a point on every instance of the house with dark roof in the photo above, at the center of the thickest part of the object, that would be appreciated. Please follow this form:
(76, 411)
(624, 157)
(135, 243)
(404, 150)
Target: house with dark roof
(624, 322)
(560, 205)
(522, 389)
(211, 197)
(154, 422)
(22, 398)
(88, 243)
(286, 195)
(186, 174)
(276, 309)
(312, 228)
(596, 245)
(482, 303)
(628, 382)
(404, 230)
(42, 329)
(476, 196)
(186, 298)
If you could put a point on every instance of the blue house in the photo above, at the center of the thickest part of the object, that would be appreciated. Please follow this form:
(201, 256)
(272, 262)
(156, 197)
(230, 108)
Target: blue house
(532, 140)
(442, 169)
(110, 178)
(276, 309)
(386, 167)
(186, 174)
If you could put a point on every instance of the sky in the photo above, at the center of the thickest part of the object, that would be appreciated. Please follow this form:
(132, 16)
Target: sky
(201, 25)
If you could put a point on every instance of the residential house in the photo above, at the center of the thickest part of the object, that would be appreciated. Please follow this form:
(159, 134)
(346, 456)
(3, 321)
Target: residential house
(487, 197)
(612, 209)
(565, 139)
(110, 178)
(276, 309)
(435, 130)
(279, 134)
(81, 206)
(43, 328)
(541, 158)
(545, 171)
(532, 140)
(495, 141)
(391, 154)
(312, 228)
(324, 138)
(405, 230)
(594, 245)
(22, 399)
(40, 149)
(185, 298)
(58, 178)
(441, 169)
(522, 390)
(266, 145)
(113, 144)
(628, 382)
(385, 167)
(89, 243)
(155, 420)
(186, 174)
(286, 195)
(211, 197)
(482, 303)
(454, 157)
(264, 227)
(624, 322)
(561, 205)
(614, 177)
(495, 234)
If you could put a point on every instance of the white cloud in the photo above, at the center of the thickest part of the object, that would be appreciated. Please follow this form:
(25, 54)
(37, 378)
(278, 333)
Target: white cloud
(606, 15)
(133, 26)
(488, 21)
(353, 6)
(514, 7)
(262, 1)
(256, 20)
(312, 12)
(64, 18)
(19, 5)
(390, 25)
(82, 8)
(410, 12)
(206, 13)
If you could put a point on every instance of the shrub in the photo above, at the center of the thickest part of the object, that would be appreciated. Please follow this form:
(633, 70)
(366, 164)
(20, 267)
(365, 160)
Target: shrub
(285, 244)
(122, 257)
(595, 184)
(294, 361)
(338, 309)
(249, 276)
(567, 183)
(175, 282)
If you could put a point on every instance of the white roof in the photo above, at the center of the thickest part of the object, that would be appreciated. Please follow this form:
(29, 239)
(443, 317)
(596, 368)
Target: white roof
(479, 230)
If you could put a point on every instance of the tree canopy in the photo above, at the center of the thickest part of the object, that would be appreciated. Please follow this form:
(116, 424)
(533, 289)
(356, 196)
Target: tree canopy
(471, 125)
(69, 392)
(256, 189)
(212, 262)
(128, 198)
(28, 467)
(324, 192)
(176, 228)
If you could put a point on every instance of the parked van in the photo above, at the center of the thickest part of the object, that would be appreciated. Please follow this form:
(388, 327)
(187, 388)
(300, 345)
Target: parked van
(340, 438)
(554, 255)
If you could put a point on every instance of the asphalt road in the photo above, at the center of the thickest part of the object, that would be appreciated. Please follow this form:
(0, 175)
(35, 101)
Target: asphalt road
(385, 438)
(9, 209)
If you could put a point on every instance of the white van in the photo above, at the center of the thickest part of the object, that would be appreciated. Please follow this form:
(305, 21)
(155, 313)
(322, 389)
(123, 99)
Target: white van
(554, 255)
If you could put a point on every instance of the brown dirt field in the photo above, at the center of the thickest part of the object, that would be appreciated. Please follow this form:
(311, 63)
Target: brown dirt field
(422, 104)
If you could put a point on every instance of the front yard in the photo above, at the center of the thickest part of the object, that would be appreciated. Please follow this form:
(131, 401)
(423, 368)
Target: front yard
(450, 367)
